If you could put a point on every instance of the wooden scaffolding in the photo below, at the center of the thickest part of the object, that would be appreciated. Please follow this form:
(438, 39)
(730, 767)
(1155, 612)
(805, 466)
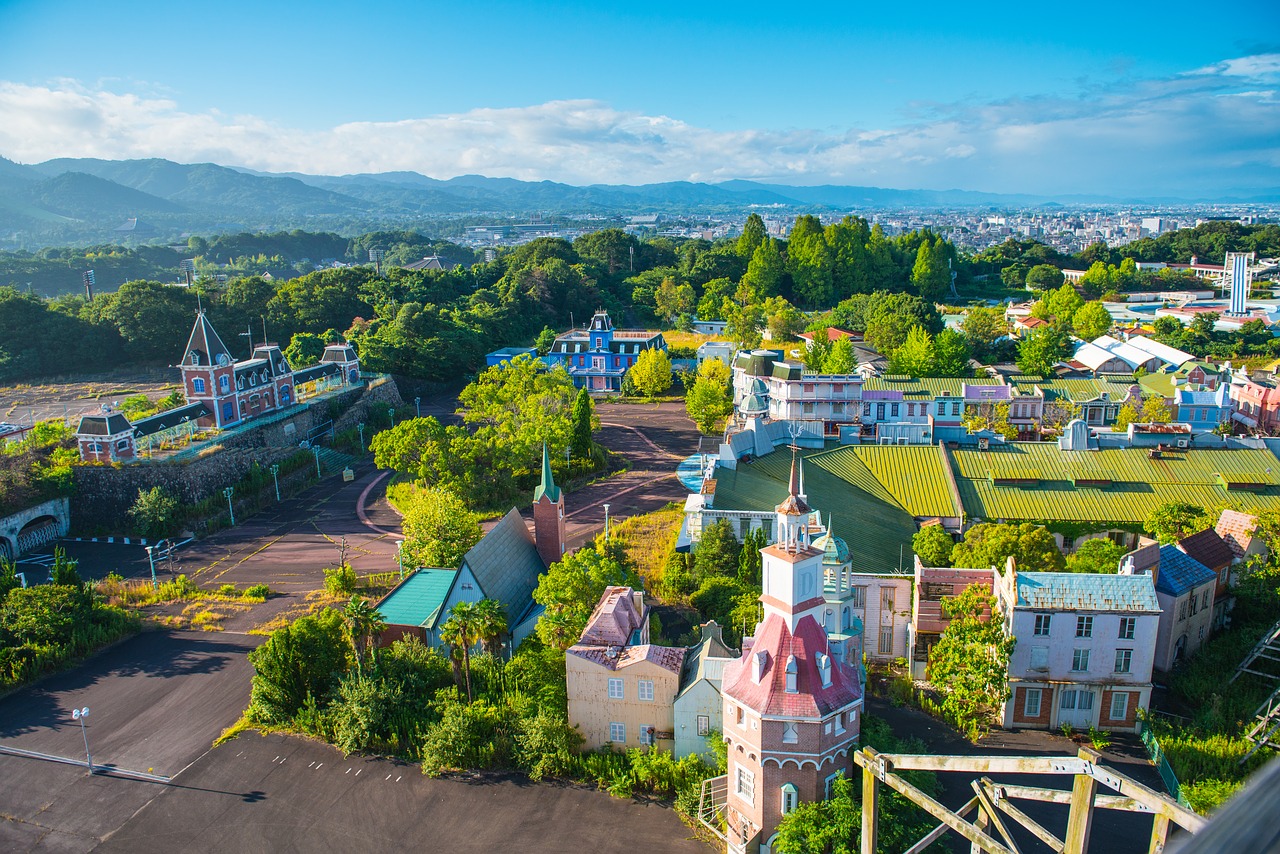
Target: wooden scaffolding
(993, 811)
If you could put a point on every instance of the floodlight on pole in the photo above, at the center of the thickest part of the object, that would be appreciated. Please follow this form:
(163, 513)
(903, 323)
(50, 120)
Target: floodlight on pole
(90, 281)
(417, 401)
(360, 429)
(228, 492)
(275, 476)
(606, 522)
(79, 715)
(151, 557)
(315, 449)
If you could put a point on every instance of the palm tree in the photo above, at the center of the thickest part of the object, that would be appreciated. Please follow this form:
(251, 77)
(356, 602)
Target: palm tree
(363, 623)
(462, 631)
(493, 624)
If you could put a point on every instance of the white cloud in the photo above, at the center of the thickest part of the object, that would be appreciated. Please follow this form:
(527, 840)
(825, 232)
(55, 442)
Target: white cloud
(1211, 128)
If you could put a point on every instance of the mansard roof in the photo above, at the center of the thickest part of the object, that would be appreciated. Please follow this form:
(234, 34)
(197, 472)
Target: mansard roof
(769, 696)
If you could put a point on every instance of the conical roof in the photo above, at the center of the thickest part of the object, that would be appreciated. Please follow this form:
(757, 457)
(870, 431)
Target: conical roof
(547, 484)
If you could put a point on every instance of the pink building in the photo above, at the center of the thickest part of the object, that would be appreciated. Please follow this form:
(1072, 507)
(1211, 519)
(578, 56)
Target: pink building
(792, 701)
(1257, 404)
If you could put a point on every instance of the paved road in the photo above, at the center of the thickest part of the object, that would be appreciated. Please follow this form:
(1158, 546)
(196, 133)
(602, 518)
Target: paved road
(277, 793)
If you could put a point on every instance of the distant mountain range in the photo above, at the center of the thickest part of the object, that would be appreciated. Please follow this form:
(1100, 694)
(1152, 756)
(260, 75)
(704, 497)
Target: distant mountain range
(77, 199)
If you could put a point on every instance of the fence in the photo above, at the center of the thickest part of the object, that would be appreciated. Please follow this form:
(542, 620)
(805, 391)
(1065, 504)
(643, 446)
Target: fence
(1158, 759)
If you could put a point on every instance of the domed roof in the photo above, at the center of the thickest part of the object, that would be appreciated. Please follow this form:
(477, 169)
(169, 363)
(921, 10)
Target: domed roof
(757, 386)
(835, 550)
(754, 403)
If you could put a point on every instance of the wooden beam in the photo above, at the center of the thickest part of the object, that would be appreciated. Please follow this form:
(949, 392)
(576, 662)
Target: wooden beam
(1003, 804)
(1159, 835)
(1156, 802)
(870, 761)
(1080, 819)
(941, 830)
(989, 807)
(1061, 796)
(987, 764)
(870, 801)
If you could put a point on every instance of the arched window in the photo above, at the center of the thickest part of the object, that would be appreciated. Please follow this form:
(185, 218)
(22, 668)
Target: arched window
(790, 798)
(224, 384)
(197, 385)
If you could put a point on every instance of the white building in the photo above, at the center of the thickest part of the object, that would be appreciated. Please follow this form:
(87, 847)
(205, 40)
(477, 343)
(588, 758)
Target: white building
(1085, 647)
(1185, 590)
(699, 707)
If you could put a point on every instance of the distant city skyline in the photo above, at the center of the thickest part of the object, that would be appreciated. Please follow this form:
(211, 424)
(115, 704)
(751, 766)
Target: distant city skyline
(1094, 99)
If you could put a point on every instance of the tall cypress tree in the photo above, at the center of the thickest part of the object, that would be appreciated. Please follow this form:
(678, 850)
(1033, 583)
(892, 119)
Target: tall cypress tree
(580, 442)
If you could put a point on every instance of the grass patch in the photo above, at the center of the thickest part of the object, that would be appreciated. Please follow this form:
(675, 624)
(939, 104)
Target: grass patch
(234, 730)
(648, 541)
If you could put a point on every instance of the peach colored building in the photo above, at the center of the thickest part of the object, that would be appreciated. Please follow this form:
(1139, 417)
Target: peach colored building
(621, 688)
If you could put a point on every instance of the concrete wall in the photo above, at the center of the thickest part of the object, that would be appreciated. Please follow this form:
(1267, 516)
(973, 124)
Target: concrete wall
(14, 541)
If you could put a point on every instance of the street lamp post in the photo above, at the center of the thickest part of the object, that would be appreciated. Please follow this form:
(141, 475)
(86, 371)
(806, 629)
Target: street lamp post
(360, 429)
(228, 492)
(391, 415)
(315, 449)
(152, 558)
(275, 476)
(400, 557)
(606, 522)
(80, 715)
(417, 402)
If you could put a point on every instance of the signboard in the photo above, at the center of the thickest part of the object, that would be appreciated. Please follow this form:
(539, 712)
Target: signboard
(348, 475)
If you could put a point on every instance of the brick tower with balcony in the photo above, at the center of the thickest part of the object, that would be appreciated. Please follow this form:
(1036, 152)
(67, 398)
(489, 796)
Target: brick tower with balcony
(209, 375)
(548, 515)
(792, 704)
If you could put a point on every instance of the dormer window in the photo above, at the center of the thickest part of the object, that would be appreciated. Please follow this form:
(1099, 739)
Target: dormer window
(824, 669)
(759, 664)
(792, 670)
(195, 357)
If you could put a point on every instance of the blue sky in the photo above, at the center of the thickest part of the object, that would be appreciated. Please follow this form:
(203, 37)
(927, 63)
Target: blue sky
(1042, 98)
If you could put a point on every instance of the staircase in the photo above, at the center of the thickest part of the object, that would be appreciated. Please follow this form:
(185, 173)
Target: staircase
(1267, 649)
(1262, 661)
(334, 461)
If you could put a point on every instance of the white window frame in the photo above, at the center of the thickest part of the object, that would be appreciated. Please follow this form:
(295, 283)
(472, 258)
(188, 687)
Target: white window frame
(644, 690)
(858, 597)
(1123, 697)
(888, 598)
(1124, 661)
(790, 798)
(704, 725)
(617, 689)
(886, 634)
(826, 784)
(197, 385)
(617, 732)
(790, 732)
(1080, 656)
(646, 735)
(1043, 624)
(1028, 695)
(745, 784)
(1128, 627)
(1084, 627)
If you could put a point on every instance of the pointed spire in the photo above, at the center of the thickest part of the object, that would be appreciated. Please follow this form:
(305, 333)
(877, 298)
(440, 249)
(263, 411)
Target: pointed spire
(796, 485)
(547, 485)
(801, 464)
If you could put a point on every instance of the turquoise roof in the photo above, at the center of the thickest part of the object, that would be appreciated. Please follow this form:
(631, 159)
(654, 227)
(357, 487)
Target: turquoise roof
(417, 600)
(547, 485)
(835, 550)
(1080, 591)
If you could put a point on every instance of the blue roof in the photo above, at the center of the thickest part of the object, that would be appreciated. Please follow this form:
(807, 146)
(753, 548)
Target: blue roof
(1083, 591)
(417, 600)
(1179, 572)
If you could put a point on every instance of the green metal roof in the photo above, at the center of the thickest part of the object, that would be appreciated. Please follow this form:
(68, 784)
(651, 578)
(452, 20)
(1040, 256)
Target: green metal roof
(912, 475)
(1075, 389)
(877, 529)
(1036, 481)
(417, 600)
(547, 485)
(926, 386)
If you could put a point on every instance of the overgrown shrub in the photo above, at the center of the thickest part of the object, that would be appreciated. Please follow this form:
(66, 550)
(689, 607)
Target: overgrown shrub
(257, 591)
(340, 580)
(301, 660)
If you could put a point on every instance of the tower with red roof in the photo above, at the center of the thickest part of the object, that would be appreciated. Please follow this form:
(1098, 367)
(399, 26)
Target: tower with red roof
(792, 702)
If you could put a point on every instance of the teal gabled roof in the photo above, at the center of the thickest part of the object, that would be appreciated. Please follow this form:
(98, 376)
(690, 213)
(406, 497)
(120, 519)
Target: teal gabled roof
(547, 485)
(417, 600)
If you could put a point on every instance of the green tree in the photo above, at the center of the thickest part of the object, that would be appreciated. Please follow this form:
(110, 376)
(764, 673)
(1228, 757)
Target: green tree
(1058, 305)
(673, 300)
(299, 662)
(1098, 555)
(364, 624)
(818, 350)
(1155, 410)
(710, 399)
(809, 262)
(545, 340)
(1099, 278)
(63, 572)
(1128, 414)
(570, 589)
(983, 327)
(493, 627)
(584, 421)
(990, 543)
(8, 577)
(970, 662)
(1041, 350)
(951, 355)
(842, 359)
(1091, 320)
(890, 318)
(930, 275)
(933, 545)
(304, 350)
(518, 406)
(438, 529)
(717, 551)
(990, 416)
(851, 263)
(461, 632)
(916, 357)
(154, 513)
(1044, 277)
(753, 235)
(1177, 520)
(652, 373)
(404, 447)
(718, 598)
(750, 561)
(783, 320)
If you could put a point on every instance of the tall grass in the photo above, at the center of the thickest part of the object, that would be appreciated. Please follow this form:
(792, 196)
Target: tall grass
(649, 540)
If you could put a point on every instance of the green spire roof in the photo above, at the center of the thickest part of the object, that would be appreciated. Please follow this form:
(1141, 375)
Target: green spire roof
(546, 486)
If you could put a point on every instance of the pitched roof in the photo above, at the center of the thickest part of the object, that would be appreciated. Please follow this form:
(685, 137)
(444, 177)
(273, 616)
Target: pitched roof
(170, 418)
(1164, 352)
(103, 425)
(417, 600)
(769, 696)
(616, 658)
(506, 564)
(547, 485)
(1208, 548)
(315, 372)
(205, 343)
(1180, 572)
(1080, 591)
(712, 645)
(1236, 529)
(615, 618)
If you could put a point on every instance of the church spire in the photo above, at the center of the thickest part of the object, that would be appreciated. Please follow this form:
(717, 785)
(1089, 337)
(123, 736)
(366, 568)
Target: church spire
(547, 485)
